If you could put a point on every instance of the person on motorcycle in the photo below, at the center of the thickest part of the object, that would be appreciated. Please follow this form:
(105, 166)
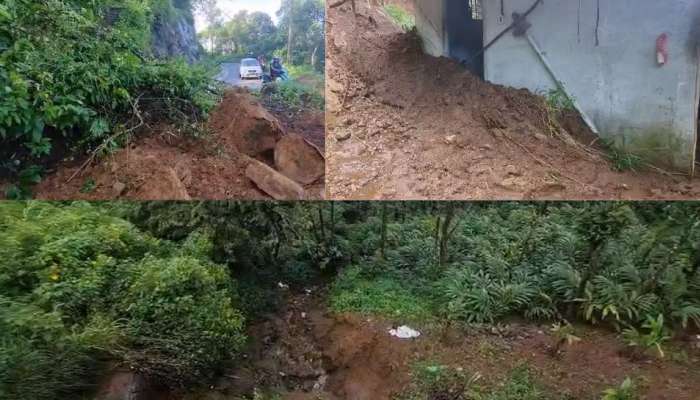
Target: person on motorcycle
(276, 69)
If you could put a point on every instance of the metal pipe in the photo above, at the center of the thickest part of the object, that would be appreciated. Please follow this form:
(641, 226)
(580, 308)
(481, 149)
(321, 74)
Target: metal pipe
(560, 84)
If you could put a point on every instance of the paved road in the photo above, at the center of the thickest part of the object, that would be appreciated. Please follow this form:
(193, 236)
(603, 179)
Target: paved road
(229, 75)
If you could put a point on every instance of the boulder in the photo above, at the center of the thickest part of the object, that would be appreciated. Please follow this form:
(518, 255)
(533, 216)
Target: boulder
(245, 124)
(299, 160)
(276, 185)
(163, 183)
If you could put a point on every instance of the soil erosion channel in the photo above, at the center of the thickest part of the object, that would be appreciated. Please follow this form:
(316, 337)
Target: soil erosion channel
(405, 125)
(305, 352)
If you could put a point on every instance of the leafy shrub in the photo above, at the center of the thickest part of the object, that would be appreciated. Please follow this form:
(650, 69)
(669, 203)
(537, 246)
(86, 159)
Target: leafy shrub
(41, 358)
(355, 291)
(626, 391)
(180, 318)
(71, 80)
(294, 95)
(82, 286)
(656, 335)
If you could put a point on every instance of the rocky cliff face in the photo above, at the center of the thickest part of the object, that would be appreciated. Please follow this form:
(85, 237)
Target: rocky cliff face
(175, 36)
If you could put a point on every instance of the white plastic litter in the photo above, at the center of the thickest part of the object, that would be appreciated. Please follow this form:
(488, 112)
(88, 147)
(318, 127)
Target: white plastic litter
(404, 332)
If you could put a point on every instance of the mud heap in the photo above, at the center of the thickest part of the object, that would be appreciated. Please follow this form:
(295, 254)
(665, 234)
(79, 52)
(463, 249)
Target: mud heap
(403, 124)
(248, 155)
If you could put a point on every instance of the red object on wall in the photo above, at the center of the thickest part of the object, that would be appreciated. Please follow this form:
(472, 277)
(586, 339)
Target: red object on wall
(662, 49)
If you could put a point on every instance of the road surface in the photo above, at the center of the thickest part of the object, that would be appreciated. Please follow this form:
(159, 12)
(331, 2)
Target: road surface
(229, 74)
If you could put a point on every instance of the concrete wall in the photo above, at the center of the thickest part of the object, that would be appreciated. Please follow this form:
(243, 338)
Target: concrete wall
(646, 108)
(429, 22)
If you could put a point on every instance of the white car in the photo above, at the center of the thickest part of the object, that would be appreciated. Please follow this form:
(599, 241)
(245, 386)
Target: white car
(250, 68)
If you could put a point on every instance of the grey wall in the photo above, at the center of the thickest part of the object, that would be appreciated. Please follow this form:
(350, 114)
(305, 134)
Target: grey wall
(429, 21)
(647, 109)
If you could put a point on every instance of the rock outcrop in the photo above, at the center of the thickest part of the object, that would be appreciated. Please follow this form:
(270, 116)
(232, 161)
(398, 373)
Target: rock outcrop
(174, 34)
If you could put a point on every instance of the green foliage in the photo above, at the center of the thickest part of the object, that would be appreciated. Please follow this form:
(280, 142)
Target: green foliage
(626, 391)
(656, 335)
(180, 312)
(520, 385)
(81, 286)
(246, 33)
(611, 263)
(360, 292)
(401, 17)
(308, 26)
(558, 101)
(432, 380)
(293, 94)
(565, 333)
(254, 33)
(622, 160)
(71, 79)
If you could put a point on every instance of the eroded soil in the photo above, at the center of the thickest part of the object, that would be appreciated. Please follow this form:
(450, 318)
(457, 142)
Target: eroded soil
(162, 164)
(306, 352)
(405, 125)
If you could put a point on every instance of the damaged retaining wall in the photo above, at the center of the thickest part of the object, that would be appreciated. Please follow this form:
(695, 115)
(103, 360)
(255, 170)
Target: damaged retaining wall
(604, 53)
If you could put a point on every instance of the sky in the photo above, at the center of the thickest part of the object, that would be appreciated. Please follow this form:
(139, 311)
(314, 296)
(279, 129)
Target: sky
(231, 7)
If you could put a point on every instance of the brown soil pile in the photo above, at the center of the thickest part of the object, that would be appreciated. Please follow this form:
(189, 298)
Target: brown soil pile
(163, 165)
(405, 125)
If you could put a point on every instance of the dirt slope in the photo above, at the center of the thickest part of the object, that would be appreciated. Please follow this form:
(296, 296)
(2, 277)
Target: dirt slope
(404, 125)
(306, 352)
(163, 165)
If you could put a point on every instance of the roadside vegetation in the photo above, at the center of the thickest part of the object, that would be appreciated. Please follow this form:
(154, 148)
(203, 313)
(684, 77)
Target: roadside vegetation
(297, 38)
(167, 288)
(79, 77)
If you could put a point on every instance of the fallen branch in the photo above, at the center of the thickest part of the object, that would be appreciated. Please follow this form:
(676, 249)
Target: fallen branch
(101, 147)
(547, 164)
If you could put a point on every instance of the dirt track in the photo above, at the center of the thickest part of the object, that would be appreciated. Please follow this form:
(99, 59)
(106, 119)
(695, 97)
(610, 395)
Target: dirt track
(162, 164)
(404, 125)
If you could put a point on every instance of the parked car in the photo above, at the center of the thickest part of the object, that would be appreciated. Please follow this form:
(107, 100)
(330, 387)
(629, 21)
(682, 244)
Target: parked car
(250, 68)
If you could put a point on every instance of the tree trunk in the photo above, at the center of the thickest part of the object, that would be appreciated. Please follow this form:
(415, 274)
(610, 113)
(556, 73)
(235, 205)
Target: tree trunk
(290, 32)
(382, 246)
(313, 57)
(445, 234)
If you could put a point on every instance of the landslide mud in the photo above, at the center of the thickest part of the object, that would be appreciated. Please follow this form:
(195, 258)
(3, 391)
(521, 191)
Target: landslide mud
(163, 164)
(305, 352)
(405, 125)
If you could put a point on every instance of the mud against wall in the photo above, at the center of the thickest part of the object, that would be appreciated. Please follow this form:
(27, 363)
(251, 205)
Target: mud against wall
(405, 125)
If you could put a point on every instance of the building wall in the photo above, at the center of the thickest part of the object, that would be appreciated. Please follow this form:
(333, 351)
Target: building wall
(646, 108)
(429, 21)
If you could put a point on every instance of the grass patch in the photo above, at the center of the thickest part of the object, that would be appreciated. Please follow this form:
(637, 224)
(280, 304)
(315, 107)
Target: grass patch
(307, 75)
(432, 380)
(293, 94)
(401, 17)
(520, 385)
(354, 291)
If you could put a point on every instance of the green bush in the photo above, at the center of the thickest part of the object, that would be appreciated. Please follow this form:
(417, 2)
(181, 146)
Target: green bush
(355, 291)
(181, 318)
(294, 95)
(71, 80)
(610, 263)
(82, 286)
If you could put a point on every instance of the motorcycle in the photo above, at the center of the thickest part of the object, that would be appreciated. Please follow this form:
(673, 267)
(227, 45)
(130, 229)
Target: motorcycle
(281, 76)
